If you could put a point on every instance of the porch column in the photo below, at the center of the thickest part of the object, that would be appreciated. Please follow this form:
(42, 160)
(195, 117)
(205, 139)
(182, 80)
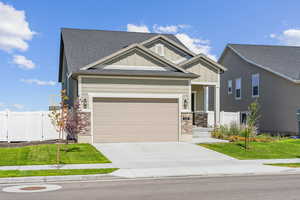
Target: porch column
(206, 98)
(217, 105)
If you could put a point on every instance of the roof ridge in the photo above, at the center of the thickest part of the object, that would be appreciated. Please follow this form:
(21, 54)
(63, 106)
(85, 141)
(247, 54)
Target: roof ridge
(81, 29)
(264, 45)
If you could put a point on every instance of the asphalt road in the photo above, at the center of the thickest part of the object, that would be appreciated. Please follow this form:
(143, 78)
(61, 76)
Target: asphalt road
(219, 188)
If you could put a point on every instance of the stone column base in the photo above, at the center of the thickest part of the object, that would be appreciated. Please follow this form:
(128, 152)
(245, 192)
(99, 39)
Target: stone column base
(200, 119)
(186, 127)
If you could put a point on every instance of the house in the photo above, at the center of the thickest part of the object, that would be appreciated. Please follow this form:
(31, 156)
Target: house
(270, 74)
(136, 87)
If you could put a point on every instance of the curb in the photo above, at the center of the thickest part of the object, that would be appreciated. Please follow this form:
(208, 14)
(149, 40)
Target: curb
(107, 177)
(45, 179)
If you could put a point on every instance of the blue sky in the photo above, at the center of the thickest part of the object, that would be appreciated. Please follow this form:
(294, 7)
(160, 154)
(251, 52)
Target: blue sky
(29, 34)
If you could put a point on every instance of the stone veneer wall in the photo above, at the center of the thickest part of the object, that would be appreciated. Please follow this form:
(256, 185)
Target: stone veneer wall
(86, 137)
(186, 126)
(200, 119)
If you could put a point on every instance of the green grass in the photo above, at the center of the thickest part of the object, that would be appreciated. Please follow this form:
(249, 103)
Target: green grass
(46, 155)
(293, 165)
(259, 150)
(53, 172)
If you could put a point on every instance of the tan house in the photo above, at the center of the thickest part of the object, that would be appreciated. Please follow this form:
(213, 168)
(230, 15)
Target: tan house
(136, 87)
(268, 73)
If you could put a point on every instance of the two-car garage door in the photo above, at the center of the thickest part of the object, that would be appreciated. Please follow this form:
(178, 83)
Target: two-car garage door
(135, 120)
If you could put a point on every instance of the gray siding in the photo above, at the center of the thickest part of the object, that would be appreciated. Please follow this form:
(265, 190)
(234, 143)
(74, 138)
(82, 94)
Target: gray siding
(279, 98)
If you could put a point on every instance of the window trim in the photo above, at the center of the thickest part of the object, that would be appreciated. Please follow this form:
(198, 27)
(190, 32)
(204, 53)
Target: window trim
(238, 98)
(258, 90)
(229, 81)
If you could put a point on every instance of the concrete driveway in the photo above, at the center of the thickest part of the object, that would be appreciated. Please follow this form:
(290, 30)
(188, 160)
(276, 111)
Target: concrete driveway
(161, 155)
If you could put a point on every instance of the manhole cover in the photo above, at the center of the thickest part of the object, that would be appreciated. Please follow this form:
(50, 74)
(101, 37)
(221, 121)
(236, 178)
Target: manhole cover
(31, 188)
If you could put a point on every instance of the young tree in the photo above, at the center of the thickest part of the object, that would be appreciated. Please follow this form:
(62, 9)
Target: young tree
(59, 119)
(252, 121)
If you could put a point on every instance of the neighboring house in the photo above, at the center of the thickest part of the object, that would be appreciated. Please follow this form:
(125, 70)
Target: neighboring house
(270, 74)
(136, 87)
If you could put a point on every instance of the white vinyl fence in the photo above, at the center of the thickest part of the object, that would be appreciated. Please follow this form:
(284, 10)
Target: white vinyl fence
(26, 126)
(226, 118)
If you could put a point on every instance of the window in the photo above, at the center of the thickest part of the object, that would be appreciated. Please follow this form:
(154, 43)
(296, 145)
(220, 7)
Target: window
(255, 85)
(229, 86)
(238, 92)
(243, 117)
(159, 49)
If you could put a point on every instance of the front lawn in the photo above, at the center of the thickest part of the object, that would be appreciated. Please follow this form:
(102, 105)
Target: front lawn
(46, 155)
(259, 150)
(53, 172)
(292, 165)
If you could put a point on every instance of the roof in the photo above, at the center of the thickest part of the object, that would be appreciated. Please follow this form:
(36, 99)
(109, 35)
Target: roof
(82, 46)
(204, 58)
(281, 60)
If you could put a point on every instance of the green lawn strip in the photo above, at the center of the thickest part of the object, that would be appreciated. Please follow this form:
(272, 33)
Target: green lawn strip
(53, 172)
(293, 165)
(46, 155)
(259, 150)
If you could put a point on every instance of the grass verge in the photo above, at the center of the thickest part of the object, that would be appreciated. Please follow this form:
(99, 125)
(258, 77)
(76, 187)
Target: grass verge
(53, 172)
(46, 155)
(292, 165)
(281, 149)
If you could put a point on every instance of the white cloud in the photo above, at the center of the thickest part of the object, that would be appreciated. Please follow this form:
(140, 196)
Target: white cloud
(38, 82)
(137, 28)
(196, 45)
(2, 105)
(288, 37)
(18, 106)
(168, 29)
(272, 35)
(23, 62)
(14, 29)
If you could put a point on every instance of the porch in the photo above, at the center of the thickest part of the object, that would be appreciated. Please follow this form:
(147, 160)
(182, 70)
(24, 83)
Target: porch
(205, 104)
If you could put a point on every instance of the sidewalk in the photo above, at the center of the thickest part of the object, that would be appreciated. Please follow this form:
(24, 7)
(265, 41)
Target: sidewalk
(217, 169)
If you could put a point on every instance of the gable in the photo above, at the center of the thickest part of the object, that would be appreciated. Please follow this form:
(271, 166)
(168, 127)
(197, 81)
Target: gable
(171, 53)
(135, 61)
(134, 57)
(206, 72)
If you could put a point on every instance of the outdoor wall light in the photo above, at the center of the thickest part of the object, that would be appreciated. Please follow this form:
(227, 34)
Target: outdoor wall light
(185, 104)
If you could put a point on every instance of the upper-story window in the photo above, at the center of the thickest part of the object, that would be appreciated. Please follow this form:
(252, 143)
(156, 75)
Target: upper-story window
(229, 86)
(159, 49)
(238, 90)
(255, 85)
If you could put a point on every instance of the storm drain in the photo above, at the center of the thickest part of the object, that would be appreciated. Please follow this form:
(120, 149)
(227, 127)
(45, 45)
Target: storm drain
(31, 188)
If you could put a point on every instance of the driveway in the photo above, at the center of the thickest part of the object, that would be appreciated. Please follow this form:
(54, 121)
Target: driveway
(161, 155)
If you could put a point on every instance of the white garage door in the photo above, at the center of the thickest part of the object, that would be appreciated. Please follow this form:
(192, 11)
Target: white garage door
(135, 120)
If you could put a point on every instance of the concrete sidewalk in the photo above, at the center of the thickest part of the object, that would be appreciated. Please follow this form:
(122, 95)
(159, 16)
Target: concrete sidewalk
(206, 170)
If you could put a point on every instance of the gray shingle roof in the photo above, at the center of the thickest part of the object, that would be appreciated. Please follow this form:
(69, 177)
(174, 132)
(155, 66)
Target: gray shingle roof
(284, 60)
(82, 47)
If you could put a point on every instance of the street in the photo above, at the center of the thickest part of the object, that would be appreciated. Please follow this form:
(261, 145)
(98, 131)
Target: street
(226, 188)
